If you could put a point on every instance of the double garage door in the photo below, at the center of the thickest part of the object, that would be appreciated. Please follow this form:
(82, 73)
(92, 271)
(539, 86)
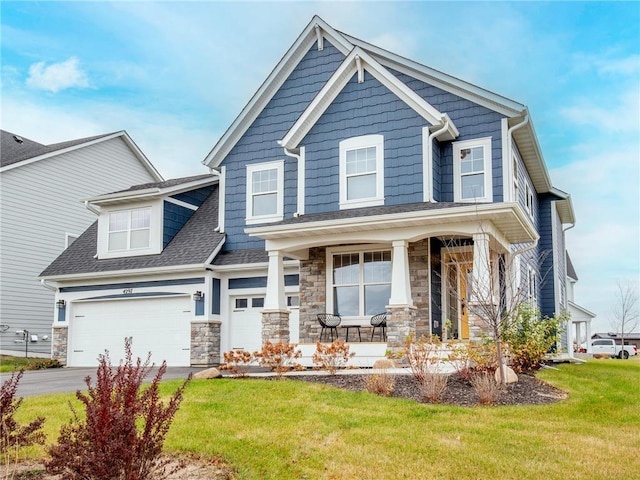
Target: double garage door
(157, 325)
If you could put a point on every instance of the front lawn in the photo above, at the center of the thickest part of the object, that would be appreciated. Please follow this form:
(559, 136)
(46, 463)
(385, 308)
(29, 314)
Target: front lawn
(289, 429)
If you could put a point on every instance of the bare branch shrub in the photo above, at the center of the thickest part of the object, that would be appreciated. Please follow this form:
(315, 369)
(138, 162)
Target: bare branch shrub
(238, 362)
(425, 355)
(332, 357)
(433, 385)
(625, 309)
(279, 357)
(124, 426)
(381, 383)
(486, 387)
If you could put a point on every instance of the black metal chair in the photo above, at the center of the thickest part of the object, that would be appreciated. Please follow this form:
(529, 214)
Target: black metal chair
(379, 321)
(329, 321)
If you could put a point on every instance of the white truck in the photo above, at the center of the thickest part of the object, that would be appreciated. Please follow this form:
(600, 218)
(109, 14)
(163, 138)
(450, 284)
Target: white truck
(608, 346)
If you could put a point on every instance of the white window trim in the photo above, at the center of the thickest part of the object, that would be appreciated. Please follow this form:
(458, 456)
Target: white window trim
(532, 286)
(279, 215)
(357, 143)
(359, 249)
(488, 170)
(155, 232)
(528, 198)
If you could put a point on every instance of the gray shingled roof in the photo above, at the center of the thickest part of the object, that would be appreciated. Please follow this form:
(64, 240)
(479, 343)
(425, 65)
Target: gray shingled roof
(13, 151)
(166, 184)
(240, 257)
(571, 272)
(192, 245)
(369, 212)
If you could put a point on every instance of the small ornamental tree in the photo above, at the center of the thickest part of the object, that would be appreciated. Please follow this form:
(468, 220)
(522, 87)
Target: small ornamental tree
(12, 434)
(124, 428)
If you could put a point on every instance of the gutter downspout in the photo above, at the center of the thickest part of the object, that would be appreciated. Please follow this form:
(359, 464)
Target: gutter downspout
(221, 197)
(43, 281)
(301, 173)
(510, 147)
(91, 208)
(445, 127)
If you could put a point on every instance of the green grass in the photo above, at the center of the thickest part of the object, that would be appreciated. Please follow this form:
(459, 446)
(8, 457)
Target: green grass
(288, 429)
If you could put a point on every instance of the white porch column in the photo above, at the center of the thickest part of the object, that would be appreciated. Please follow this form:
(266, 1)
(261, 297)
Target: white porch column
(274, 298)
(400, 281)
(481, 289)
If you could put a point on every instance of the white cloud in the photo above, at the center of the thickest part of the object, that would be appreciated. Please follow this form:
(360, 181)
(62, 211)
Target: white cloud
(57, 76)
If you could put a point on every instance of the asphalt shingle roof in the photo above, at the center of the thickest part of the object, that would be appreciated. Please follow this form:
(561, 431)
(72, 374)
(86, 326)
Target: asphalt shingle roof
(13, 151)
(192, 245)
(167, 183)
(571, 271)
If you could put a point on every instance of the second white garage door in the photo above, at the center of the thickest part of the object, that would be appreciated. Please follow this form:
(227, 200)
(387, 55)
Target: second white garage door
(157, 325)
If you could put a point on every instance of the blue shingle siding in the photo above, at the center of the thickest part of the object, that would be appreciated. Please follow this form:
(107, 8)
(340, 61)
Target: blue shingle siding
(194, 197)
(472, 121)
(560, 257)
(174, 218)
(545, 250)
(259, 143)
(365, 109)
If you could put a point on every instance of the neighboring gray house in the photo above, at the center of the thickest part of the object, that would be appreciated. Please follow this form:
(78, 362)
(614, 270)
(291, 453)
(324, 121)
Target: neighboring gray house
(581, 318)
(41, 214)
(337, 189)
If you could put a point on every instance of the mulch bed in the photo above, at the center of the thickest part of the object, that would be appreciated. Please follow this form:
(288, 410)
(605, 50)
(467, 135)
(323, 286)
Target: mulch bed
(527, 391)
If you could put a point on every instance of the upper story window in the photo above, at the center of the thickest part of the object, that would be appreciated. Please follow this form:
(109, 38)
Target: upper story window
(129, 229)
(265, 184)
(472, 170)
(362, 171)
(515, 179)
(529, 199)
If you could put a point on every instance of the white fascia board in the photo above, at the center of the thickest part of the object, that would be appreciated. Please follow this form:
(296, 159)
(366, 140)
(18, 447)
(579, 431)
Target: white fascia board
(131, 195)
(272, 84)
(128, 273)
(451, 84)
(581, 309)
(526, 141)
(339, 80)
(215, 251)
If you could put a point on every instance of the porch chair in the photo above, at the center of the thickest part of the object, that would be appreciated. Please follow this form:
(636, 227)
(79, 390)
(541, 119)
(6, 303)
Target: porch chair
(329, 321)
(379, 321)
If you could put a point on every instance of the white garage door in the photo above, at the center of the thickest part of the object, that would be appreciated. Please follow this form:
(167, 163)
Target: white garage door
(246, 322)
(157, 325)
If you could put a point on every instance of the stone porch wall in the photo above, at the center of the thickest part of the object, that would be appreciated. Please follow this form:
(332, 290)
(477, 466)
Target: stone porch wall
(59, 345)
(313, 294)
(205, 343)
(275, 326)
(419, 274)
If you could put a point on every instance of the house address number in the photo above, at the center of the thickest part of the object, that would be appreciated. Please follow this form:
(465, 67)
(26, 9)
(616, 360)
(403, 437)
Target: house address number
(127, 291)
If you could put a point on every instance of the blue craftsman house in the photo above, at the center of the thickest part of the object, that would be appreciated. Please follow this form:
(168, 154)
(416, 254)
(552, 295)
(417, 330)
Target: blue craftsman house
(354, 182)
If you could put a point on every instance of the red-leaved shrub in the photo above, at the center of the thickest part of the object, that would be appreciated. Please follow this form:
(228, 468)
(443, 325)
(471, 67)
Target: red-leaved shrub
(124, 428)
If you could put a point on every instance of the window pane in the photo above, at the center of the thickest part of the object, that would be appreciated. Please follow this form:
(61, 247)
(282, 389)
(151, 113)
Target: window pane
(472, 160)
(265, 181)
(473, 186)
(241, 303)
(362, 160)
(118, 241)
(293, 301)
(376, 298)
(140, 238)
(345, 301)
(362, 186)
(140, 218)
(257, 302)
(377, 267)
(265, 204)
(118, 221)
(346, 269)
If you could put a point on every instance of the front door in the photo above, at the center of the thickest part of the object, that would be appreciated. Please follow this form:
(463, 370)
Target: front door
(456, 312)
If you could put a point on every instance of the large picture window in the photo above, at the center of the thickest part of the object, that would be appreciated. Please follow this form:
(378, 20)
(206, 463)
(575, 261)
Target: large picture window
(472, 170)
(129, 229)
(360, 282)
(265, 192)
(362, 171)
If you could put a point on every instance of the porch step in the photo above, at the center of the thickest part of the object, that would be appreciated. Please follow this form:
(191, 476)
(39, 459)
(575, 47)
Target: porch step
(366, 353)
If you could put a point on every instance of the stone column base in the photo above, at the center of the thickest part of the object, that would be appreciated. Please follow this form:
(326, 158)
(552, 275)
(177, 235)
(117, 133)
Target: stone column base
(205, 343)
(275, 326)
(401, 324)
(59, 344)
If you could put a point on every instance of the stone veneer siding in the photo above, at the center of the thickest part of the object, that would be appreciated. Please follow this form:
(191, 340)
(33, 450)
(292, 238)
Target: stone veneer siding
(275, 326)
(313, 294)
(205, 343)
(59, 345)
(419, 274)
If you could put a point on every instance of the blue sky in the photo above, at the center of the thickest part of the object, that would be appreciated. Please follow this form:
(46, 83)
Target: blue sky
(174, 75)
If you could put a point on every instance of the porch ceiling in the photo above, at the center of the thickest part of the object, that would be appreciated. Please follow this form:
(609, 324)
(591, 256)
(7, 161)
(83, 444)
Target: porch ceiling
(506, 222)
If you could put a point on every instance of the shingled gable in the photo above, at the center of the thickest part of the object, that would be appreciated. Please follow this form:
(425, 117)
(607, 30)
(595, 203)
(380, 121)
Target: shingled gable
(358, 61)
(15, 154)
(193, 247)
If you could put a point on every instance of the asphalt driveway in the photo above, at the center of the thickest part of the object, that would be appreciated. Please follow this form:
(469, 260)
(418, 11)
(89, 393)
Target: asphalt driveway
(60, 380)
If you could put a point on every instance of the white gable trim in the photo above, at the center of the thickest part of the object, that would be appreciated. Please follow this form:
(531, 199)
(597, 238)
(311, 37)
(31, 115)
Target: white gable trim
(125, 137)
(357, 61)
(272, 84)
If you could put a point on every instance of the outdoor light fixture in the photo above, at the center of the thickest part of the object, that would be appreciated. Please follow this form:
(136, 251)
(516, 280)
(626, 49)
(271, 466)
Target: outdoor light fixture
(198, 296)
(60, 303)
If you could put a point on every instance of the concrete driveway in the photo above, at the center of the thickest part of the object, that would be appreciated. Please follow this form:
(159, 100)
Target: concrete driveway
(60, 380)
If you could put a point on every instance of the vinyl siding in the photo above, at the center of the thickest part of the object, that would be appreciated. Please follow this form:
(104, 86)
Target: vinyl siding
(40, 202)
(259, 143)
(545, 250)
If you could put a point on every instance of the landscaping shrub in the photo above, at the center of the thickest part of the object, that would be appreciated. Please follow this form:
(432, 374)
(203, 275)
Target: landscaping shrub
(332, 357)
(424, 355)
(381, 383)
(433, 385)
(529, 337)
(238, 362)
(486, 387)
(124, 428)
(483, 357)
(279, 357)
(12, 434)
(43, 363)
